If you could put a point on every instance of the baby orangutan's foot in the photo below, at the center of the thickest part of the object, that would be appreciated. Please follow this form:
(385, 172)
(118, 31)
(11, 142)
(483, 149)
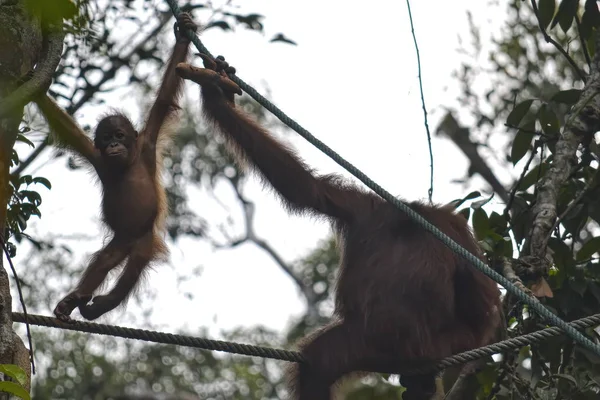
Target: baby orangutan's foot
(69, 303)
(214, 75)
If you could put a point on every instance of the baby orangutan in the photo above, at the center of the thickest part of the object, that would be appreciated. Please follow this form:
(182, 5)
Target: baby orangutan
(133, 198)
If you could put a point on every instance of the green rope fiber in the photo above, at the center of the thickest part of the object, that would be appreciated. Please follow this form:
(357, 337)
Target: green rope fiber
(455, 247)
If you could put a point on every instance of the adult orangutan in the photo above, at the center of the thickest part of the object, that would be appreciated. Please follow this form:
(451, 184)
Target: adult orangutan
(402, 295)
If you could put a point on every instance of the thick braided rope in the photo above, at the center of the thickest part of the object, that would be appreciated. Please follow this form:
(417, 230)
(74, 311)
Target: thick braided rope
(455, 247)
(159, 337)
(286, 355)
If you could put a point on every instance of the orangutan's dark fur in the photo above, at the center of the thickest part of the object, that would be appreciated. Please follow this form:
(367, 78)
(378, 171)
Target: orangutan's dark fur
(402, 296)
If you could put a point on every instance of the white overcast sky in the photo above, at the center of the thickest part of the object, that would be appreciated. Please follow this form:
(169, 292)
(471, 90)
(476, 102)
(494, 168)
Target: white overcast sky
(351, 81)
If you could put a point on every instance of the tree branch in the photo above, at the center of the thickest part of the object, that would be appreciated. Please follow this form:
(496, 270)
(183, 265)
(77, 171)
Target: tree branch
(463, 386)
(42, 75)
(582, 120)
(307, 291)
(509, 273)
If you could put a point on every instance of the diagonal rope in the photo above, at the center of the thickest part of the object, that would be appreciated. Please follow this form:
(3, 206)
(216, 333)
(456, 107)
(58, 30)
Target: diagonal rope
(286, 355)
(455, 247)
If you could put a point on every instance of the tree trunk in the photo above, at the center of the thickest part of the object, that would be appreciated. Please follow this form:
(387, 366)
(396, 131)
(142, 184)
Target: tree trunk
(20, 45)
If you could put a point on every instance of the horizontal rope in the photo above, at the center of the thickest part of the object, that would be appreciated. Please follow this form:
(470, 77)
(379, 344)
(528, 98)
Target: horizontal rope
(455, 247)
(159, 337)
(286, 355)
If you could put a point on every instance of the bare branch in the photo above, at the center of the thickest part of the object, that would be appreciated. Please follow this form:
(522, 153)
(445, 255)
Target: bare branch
(307, 291)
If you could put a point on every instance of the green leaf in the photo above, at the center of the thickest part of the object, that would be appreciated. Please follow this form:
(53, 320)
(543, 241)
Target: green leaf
(14, 158)
(15, 372)
(591, 46)
(472, 195)
(25, 179)
(497, 222)
(14, 389)
(494, 238)
(22, 222)
(577, 221)
(219, 24)
(32, 196)
(480, 223)
(22, 138)
(590, 19)
(53, 12)
(466, 212)
(491, 244)
(12, 250)
(29, 209)
(481, 203)
(43, 181)
(563, 256)
(589, 249)
(532, 176)
(569, 97)
(517, 114)
(522, 143)
(486, 246)
(280, 37)
(458, 202)
(546, 9)
(566, 12)
(548, 120)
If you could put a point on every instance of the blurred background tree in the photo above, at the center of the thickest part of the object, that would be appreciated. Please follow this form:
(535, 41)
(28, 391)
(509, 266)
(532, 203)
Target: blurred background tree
(507, 140)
